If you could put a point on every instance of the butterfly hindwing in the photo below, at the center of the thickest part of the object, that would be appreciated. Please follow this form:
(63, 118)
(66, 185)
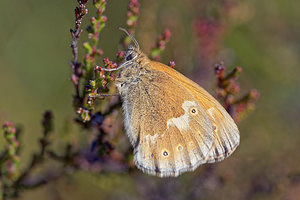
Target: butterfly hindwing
(225, 132)
(170, 130)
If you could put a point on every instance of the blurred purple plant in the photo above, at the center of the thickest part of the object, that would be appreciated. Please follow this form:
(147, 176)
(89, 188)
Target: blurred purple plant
(209, 33)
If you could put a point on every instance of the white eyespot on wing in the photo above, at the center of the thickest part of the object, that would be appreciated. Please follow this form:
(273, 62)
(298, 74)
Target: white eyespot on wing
(179, 147)
(182, 122)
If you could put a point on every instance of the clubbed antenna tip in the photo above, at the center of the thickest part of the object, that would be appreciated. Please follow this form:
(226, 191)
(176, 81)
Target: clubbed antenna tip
(132, 38)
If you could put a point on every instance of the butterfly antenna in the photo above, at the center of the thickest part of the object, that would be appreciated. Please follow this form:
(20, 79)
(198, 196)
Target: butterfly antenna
(132, 38)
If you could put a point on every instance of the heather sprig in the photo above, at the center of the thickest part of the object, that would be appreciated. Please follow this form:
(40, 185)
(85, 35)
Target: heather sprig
(132, 15)
(10, 160)
(133, 11)
(80, 12)
(228, 89)
(94, 78)
(160, 45)
(38, 157)
(94, 30)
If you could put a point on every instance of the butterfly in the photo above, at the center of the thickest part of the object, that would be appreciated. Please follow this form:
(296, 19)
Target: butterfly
(173, 124)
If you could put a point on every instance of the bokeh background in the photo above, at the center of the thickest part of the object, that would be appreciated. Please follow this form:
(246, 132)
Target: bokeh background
(263, 37)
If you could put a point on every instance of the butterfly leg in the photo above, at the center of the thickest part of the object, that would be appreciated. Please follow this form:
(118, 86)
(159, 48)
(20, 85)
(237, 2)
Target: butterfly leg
(114, 69)
(104, 95)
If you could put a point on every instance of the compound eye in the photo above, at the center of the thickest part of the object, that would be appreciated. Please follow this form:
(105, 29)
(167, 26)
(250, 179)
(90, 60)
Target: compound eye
(129, 57)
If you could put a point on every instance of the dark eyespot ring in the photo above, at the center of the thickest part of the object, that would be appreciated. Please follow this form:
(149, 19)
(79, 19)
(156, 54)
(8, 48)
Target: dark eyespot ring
(129, 57)
(193, 111)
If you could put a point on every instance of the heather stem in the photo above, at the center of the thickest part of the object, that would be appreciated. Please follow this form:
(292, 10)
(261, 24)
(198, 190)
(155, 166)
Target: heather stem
(80, 12)
(2, 156)
(1, 189)
(228, 89)
(38, 157)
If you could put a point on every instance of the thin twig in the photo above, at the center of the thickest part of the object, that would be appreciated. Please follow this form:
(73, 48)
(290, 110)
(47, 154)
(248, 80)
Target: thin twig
(2, 157)
(42, 180)
(38, 157)
(80, 12)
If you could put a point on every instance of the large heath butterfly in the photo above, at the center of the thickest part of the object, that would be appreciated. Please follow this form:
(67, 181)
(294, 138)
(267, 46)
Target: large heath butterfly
(173, 124)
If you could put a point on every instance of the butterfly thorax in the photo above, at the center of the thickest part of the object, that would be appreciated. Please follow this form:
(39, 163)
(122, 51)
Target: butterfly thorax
(135, 67)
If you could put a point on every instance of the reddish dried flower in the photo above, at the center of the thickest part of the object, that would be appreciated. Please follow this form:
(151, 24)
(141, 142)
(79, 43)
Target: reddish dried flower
(93, 20)
(98, 68)
(82, 1)
(106, 60)
(129, 14)
(234, 88)
(9, 127)
(79, 110)
(166, 35)
(100, 52)
(101, 73)
(172, 64)
(120, 56)
(103, 18)
(109, 64)
(254, 94)
(219, 69)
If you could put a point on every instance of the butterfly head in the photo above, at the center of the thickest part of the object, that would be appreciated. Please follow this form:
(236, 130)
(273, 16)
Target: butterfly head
(133, 54)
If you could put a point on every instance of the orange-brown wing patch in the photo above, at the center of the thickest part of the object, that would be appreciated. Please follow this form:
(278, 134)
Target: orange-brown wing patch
(225, 132)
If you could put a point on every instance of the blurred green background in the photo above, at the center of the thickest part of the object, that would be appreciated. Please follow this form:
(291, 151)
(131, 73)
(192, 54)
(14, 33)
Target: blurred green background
(263, 37)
